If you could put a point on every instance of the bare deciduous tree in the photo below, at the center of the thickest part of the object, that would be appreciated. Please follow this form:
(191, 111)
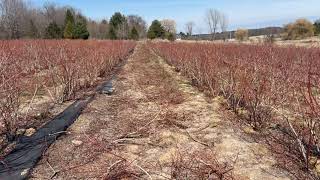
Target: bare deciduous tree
(98, 30)
(224, 25)
(189, 27)
(103, 29)
(242, 34)
(169, 25)
(54, 13)
(12, 17)
(93, 28)
(212, 19)
(139, 23)
(19, 19)
(123, 30)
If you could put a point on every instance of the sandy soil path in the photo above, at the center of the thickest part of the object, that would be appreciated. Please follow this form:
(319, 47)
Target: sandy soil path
(155, 126)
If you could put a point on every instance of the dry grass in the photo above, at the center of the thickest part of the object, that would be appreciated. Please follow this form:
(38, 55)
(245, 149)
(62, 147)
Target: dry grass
(198, 165)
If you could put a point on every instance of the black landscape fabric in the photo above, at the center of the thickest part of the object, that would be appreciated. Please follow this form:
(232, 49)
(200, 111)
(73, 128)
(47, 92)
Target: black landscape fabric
(28, 151)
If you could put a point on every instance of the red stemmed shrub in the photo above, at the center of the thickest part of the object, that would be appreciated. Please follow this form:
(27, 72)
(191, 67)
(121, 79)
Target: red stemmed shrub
(260, 82)
(59, 68)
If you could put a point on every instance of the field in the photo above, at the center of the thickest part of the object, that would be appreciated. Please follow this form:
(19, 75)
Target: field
(260, 82)
(256, 40)
(179, 110)
(306, 42)
(37, 74)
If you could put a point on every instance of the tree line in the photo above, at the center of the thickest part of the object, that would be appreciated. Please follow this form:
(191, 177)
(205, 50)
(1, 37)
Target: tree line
(299, 29)
(21, 20)
(165, 29)
(217, 24)
(216, 21)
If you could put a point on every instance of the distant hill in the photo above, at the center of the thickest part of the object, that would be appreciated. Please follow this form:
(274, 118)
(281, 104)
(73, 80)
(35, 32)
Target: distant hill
(231, 34)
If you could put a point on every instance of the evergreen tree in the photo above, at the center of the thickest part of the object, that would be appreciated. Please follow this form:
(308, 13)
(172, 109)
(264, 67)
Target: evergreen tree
(53, 31)
(68, 31)
(112, 33)
(69, 17)
(151, 35)
(317, 27)
(80, 29)
(183, 35)
(118, 24)
(171, 37)
(104, 21)
(156, 30)
(134, 34)
(117, 19)
(69, 25)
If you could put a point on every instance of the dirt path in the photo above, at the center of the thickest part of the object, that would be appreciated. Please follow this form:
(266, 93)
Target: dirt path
(155, 126)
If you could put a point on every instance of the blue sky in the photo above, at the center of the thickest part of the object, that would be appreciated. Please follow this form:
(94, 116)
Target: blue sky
(241, 13)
